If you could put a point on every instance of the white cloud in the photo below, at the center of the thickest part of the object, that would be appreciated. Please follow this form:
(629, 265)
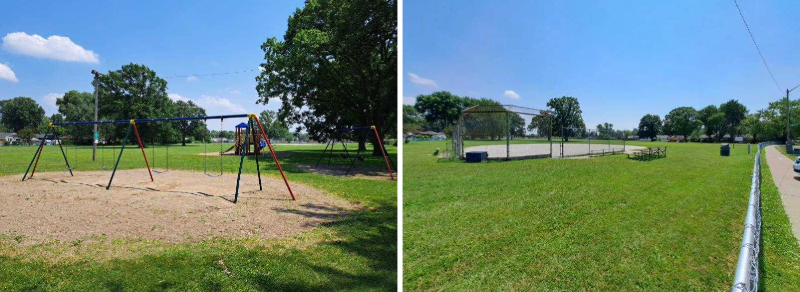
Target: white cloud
(414, 78)
(53, 47)
(177, 97)
(7, 74)
(213, 103)
(511, 94)
(49, 102)
(191, 78)
(234, 92)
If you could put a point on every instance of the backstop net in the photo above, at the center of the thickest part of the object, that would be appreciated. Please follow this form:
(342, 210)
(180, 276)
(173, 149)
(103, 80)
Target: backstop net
(504, 131)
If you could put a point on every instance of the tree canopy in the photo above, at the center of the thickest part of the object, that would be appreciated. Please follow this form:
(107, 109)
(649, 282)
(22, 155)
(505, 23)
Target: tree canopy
(136, 92)
(21, 112)
(649, 126)
(681, 121)
(336, 67)
(275, 129)
(567, 114)
(195, 128)
(734, 113)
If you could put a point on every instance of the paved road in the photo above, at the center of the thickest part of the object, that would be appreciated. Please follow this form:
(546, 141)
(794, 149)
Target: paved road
(788, 183)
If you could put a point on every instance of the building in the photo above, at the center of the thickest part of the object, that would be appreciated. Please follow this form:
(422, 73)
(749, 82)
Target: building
(8, 138)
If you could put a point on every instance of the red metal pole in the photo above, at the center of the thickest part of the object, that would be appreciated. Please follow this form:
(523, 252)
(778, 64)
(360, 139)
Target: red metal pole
(385, 158)
(272, 151)
(41, 148)
(139, 139)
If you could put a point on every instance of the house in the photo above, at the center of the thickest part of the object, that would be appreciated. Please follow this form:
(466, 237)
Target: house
(8, 138)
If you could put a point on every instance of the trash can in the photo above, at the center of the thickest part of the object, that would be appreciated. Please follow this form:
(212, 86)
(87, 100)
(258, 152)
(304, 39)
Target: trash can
(725, 149)
(477, 156)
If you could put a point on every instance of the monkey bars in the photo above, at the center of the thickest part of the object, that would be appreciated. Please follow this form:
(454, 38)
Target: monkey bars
(252, 121)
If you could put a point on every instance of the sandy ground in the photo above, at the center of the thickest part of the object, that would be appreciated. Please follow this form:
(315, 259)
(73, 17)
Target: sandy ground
(788, 183)
(521, 150)
(179, 206)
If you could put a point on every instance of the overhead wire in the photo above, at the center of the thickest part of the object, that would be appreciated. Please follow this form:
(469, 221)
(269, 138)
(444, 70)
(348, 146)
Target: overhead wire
(756, 45)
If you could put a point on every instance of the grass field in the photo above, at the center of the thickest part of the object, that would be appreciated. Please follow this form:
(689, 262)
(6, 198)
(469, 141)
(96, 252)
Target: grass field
(355, 254)
(604, 224)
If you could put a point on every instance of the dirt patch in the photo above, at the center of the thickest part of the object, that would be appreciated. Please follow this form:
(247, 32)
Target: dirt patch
(374, 173)
(179, 206)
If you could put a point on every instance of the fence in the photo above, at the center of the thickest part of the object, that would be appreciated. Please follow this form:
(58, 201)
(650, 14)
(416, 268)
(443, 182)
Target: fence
(746, 277)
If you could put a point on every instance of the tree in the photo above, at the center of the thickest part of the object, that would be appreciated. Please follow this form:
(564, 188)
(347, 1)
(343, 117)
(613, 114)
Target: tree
(412, 119)
(77, 106)
(336, 67)
(543, 125)
(735, 113)
(275, 129)
(566, 113)
(193, 128)
(649, 126)
(681, 121)
(712, 120)
(21, 112)
(754, 126)
(136, 92)
(27, 134)
(440, 109)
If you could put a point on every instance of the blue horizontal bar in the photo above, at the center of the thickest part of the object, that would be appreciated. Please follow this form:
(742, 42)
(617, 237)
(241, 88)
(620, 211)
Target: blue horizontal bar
(151, 120)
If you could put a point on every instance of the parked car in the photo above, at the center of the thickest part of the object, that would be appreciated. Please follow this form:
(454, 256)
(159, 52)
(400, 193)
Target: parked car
(797, 165)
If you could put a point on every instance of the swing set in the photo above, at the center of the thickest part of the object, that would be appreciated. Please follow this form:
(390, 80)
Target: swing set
(339, 139)
(252, 121)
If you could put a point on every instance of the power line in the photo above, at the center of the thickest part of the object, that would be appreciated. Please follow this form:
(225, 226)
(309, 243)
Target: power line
(757, 49)
(210, 74)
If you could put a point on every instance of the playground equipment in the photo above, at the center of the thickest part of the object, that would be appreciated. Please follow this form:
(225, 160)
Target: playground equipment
(252, 122)
(254, 137)
(339, 138)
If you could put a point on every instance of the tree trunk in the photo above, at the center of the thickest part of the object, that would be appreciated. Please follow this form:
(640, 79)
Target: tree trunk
(183, 141)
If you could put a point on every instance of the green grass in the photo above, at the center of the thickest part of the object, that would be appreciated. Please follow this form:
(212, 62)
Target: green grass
(604, 224)
(358, 253)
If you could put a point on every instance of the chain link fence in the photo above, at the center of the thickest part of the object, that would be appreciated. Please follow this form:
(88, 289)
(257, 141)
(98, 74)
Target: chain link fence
(746, 277)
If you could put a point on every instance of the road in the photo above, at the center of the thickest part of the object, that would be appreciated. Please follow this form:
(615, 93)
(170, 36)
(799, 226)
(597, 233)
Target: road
(788, 183)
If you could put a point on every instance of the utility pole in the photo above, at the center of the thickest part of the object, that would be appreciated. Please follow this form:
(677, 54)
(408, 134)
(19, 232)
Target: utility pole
(789, 144)
(96, 137)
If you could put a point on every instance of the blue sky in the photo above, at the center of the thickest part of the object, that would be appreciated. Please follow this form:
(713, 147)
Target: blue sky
(171, 37)
(621, 59)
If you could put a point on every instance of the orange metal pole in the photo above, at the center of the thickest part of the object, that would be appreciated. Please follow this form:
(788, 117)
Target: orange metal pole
(139, 139)
(272, 151)
(383, 150)
(39, 155)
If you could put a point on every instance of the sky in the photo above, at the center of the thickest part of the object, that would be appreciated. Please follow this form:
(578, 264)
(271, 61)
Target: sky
(50, 47)
(621, 59)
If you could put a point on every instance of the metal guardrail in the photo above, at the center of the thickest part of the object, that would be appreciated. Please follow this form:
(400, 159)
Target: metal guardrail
(746, 277)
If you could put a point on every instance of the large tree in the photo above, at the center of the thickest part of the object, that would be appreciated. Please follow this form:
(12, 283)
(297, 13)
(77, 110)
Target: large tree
(274, 127)
(21, 112)
(194, 128)
(543, 125)
(136, 92)
(649, 126)
(440, 109)
(713, 121)
(681, 121)
(77, 106)
(567, 115)
(336, 67)
(735, 113)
